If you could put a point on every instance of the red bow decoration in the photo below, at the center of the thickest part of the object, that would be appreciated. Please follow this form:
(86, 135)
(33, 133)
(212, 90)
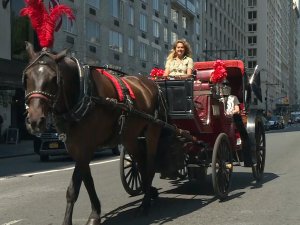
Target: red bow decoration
(219, 74)
(156, 72)
(43, 22)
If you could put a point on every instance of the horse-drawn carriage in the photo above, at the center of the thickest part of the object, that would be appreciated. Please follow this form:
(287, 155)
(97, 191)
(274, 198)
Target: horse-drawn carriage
(180, 137)
(215, 140)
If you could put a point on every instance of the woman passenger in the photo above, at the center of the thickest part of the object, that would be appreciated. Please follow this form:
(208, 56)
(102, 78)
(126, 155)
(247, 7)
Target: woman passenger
(179, 62)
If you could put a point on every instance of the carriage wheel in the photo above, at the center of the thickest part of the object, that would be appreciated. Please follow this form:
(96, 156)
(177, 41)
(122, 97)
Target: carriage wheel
(130, 176)
(260, 147)
(221, 166)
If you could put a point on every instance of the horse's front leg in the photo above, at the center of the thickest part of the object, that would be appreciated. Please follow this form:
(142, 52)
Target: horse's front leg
(94, 218)
(72, 195)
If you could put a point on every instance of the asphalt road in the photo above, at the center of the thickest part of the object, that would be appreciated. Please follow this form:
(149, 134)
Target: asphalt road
(33, 193)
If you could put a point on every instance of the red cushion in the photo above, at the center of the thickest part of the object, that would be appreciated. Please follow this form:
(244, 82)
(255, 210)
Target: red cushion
(203, 75)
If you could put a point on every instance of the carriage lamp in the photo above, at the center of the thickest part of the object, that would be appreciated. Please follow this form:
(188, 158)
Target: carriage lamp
(229, 166)
(4, 3)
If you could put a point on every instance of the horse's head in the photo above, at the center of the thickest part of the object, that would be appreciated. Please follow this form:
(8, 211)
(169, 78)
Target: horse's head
(41, 80)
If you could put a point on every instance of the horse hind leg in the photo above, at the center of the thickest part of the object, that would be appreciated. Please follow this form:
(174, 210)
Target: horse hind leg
(152, 135)
(72, 195)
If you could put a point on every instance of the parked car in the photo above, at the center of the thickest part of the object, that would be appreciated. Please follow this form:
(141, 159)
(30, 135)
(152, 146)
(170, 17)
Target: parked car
(276, 122)
(266, 124)
(48, 144)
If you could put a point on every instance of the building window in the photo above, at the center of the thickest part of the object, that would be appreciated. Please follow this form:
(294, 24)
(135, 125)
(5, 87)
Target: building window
(166, 34)
(252, 15)
(68, 25)
(130, 47)
(252, 27)
(92, 31)
(174, 16)
(94, 3)
(184, 22)
(198, 28)
(155, 56)
(251, 64)
(174, 37)
(20, 31)
(252, 3)
(143, 22)
(166, 10)
(155, 5)
(143, 51)
(155, 29)
(117, 8)
(251, 40)
(252, 52)
(130, 15)
(116, 41)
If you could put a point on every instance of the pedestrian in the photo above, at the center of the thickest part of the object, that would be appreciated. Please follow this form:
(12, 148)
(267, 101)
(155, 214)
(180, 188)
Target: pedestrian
(179, 62)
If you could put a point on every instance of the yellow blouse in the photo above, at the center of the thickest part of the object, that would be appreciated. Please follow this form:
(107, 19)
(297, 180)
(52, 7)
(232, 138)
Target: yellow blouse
(179, 67)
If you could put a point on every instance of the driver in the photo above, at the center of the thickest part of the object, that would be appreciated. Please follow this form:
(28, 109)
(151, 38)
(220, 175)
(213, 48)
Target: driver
(231, 102)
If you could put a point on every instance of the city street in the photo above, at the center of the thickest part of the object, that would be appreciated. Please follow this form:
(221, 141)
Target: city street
(33, 192)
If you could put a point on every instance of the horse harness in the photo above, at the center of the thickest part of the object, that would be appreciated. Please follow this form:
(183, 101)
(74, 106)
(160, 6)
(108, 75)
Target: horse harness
(39, 93)
(86, 99)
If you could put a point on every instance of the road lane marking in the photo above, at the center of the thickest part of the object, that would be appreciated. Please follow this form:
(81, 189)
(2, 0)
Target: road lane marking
(13, 222)
(66, 169)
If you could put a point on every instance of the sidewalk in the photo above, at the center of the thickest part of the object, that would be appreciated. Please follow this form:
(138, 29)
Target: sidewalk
(24, 147)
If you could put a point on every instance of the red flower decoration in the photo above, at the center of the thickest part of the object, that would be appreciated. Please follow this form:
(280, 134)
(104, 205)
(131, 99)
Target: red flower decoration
(156, 72)
(219, 74)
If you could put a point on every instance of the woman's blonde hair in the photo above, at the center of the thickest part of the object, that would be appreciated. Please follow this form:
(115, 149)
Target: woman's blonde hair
(187, 49)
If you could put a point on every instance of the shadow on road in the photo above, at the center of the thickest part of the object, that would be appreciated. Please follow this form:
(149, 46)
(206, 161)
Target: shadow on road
(163, 210)
(184, 198)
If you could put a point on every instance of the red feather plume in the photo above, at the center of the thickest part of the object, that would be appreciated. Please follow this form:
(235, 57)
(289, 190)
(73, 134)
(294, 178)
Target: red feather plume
(43, 22)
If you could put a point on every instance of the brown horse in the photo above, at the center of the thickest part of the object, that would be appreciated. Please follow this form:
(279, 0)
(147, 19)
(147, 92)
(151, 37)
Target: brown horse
(52, 85)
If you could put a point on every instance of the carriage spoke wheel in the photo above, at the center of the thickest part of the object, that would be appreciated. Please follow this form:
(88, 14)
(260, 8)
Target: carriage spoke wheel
(222, 166)
(260, 153)
(130, 176)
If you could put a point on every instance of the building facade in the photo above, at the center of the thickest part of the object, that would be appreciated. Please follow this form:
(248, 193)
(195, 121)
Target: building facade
(271, 39)
(136, 35)
(13, 59)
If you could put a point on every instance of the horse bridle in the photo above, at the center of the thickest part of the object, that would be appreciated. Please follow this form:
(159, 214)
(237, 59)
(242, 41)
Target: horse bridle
(50, 98)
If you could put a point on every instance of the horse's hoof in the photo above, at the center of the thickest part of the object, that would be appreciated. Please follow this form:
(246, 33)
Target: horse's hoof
(93, 222)
(153, 193)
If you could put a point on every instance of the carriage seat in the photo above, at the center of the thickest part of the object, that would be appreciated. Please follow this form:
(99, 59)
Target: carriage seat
(201, 83)
(202, 93)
